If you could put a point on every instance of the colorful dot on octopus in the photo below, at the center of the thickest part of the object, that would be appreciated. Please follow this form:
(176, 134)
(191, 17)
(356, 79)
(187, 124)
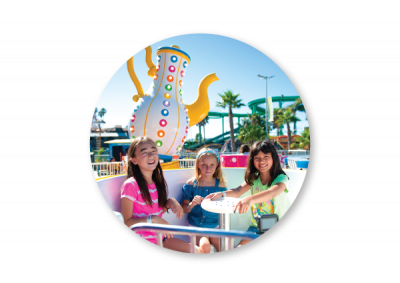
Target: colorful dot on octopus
(180, 83)
(158, 67)
(182, 73)
(167, 96)
(171, 69)
(184, 64)
(166, 103)
(174, 59)
(155, 76)
(163, 122)
(132, 129)
(158, 143)
(133, 118)
(168, 87)
(164, 112)
(158, 58)
(183, 140)
(180, 92)
(170, 78)
(187, 129)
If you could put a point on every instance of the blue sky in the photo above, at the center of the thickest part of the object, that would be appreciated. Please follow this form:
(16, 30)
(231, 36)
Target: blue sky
(235, 63)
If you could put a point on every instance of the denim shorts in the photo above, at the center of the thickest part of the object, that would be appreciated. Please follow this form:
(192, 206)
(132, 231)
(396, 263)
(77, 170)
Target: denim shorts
(217, 227)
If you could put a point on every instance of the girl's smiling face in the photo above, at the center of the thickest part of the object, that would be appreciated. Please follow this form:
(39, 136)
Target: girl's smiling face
(207, 165)
(146, 156)
(263, 161)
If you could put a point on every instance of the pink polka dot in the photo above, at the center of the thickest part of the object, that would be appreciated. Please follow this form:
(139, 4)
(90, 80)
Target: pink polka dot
(171, 69)
(163, 122)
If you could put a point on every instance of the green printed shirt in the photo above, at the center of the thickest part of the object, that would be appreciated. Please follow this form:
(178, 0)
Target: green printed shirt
(277, 205)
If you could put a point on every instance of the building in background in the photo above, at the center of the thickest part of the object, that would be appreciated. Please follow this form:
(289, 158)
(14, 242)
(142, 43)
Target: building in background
(108, 134)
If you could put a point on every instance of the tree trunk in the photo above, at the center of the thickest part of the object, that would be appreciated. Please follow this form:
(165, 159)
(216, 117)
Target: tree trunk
(289, 135)
(99, 137)
(199, 134)
(204, 130)
(233, 145)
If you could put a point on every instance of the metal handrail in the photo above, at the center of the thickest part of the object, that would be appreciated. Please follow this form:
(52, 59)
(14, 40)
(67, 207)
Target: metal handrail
(192, 232)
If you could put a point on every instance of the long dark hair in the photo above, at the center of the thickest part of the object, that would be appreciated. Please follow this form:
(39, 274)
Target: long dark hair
(157, 177)
(252, 173)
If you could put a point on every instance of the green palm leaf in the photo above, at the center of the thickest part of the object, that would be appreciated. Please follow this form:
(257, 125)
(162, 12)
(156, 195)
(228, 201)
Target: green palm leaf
(230, 100)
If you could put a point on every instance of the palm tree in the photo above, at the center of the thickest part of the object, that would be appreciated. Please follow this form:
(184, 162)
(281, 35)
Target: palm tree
(253, 119)
(256, 119)
(246, 121)
(203, 124)
(229, 99)
(297, 106)
(252, 133)
(102, 112)
(277, 112)
(97, 119)
(303, 141)
(285, 118)
(252, 129)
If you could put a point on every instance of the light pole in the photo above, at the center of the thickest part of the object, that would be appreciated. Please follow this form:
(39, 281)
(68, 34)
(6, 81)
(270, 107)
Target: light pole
(266, 100)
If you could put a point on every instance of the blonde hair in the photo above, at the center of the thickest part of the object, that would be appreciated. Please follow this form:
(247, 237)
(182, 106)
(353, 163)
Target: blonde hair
(218, 171)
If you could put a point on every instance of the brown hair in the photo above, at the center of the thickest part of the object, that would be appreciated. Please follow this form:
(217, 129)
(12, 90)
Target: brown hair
(218, 171)
(244, 148)
(157, 177)
(252, 173)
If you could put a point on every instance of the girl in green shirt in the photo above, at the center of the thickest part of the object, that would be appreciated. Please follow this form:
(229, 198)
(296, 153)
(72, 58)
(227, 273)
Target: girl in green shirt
(267, 181)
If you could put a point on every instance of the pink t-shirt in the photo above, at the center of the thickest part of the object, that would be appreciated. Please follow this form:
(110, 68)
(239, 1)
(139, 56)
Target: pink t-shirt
(131, 190)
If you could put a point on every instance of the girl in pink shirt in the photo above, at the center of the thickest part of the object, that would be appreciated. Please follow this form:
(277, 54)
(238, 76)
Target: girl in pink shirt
(144, 195)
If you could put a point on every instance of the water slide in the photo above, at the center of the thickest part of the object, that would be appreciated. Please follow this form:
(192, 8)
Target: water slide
(255, 108)
(253, 105)
(217, 139)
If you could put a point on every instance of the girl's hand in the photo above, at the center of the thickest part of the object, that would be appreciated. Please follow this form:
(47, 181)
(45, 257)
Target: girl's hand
(158, 220)
(176, 208)
(243, 205)
(196, 200)
(214, 196)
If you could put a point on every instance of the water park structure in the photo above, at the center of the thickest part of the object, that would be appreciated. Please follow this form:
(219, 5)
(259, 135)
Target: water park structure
(255, 108)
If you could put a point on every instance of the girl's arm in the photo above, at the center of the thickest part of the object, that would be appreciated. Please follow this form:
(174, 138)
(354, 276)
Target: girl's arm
(184, 206)
(126, 211)
(234, 193)
(196, 201)
(176, 208)
(187, 194)
(244, 204)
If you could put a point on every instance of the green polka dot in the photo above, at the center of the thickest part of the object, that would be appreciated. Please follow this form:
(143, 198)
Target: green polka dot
(179, 146)
(158, 143)
(133, 137)
(180, 92)
(168, 87)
